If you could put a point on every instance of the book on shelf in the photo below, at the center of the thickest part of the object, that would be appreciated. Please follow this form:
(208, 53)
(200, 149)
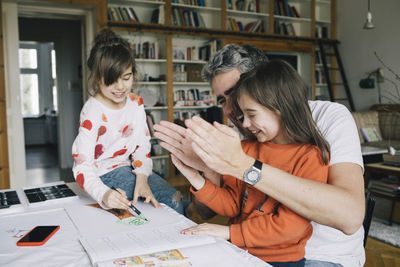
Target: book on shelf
(370, 134)
(284, 28)
(283, 8)
(122, 13)
(391, 158)
(187, 17)
(146, 50)
(201, 3)
(158, 15)
(386, 187)
(254, 26)
(244, 5)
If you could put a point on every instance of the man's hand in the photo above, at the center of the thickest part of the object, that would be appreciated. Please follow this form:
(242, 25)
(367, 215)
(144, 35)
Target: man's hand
(174, 140)
(218, 146)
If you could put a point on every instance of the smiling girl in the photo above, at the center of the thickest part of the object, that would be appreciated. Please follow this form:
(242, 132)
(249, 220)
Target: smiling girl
(112, 148)
(271, 104)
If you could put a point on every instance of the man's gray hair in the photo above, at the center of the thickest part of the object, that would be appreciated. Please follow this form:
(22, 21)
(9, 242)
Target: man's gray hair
(231, 56)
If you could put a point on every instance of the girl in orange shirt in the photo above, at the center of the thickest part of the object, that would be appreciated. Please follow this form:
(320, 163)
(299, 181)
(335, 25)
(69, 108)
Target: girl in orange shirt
(270, 104)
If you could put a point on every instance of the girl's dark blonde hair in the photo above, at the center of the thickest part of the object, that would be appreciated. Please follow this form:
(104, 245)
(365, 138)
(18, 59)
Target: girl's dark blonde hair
(277, 86)
(109, 57)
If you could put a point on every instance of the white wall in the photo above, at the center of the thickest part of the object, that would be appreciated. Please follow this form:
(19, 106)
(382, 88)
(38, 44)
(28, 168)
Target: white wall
(357, 46)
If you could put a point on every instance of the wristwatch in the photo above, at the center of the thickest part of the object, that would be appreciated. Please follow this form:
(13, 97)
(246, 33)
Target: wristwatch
(253, 174)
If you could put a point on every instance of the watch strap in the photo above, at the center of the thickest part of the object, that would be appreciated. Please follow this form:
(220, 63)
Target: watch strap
(258, 164)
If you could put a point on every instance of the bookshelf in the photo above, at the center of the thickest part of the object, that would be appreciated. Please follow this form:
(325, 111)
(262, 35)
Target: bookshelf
(184, 27)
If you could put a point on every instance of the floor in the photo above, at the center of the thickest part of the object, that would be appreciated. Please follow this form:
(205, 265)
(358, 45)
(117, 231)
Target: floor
(42, 167)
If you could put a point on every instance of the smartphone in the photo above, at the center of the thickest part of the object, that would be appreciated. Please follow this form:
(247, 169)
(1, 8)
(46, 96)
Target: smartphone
(38, 235)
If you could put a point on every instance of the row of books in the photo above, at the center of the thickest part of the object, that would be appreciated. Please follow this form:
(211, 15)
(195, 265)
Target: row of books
(387, 186)
(187, 17)
(244, 5)
(147, 50)
(254, 26)
(282, 8)
(122, 13)
(393, 160)
(285, 28)
(201, 52)
(191, 94)
(190, 2)
(180, 116)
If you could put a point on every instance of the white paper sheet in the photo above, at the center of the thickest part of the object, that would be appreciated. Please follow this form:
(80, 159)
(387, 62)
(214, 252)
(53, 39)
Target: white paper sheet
(142, 241)
(92, 221)
(62, 249)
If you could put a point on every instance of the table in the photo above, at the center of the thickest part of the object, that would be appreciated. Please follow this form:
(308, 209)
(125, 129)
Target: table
(64, 248)
(381, 168)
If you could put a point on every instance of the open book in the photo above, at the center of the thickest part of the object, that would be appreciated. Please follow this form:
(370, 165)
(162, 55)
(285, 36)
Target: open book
(105, 237)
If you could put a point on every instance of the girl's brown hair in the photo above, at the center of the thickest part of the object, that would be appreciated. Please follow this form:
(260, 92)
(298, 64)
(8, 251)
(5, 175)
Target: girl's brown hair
(109, 57)
(277, 86)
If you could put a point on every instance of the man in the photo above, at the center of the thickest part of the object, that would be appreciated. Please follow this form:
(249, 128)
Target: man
(338, 204)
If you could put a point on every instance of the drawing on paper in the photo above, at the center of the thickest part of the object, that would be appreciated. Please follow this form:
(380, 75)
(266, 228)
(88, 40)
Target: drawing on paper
(168, 258)
(124, 216)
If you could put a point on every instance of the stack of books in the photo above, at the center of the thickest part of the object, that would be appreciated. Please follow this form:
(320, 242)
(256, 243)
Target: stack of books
(386, 186)
(392, 160)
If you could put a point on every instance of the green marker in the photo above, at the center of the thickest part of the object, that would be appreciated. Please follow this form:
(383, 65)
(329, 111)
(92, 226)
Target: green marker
(132, 207)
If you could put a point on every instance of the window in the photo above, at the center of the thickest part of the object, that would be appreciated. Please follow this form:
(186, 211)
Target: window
(37, 62)
(29, 82)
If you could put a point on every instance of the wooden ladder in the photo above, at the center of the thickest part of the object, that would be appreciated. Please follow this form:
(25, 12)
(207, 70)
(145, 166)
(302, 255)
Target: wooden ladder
(329, 48)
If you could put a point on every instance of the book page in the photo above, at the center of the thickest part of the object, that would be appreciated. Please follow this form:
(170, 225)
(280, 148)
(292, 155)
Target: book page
(141, 241)
(221, 254)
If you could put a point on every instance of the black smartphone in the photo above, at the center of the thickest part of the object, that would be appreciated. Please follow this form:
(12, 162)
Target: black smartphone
(38, 235)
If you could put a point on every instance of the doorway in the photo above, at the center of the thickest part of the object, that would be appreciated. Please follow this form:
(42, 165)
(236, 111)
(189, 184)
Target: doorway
(50, 56)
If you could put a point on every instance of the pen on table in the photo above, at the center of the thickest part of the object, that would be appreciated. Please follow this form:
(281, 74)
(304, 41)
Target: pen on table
(132, 207)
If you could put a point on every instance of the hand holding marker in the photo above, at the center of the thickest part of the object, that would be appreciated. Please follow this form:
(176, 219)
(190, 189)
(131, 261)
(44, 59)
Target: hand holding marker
(132, 207)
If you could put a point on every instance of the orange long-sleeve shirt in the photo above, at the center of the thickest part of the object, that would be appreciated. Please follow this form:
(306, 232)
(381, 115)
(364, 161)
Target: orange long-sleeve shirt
(260, 224)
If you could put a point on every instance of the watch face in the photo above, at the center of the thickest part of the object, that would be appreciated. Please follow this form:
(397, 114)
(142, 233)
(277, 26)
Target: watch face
(252, 175)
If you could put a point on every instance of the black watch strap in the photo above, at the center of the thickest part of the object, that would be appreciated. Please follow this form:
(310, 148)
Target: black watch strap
(258, 164)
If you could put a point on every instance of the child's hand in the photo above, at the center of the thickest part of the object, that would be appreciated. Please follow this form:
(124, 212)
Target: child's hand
(116, 200)
(191, 174)
(216, 230)
(142, 189)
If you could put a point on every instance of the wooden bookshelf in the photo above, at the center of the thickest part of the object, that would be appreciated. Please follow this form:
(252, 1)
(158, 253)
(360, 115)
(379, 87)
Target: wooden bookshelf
(313, 13)
(217, 26)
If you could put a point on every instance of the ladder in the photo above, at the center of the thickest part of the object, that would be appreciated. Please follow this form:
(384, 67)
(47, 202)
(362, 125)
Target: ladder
(329, 48)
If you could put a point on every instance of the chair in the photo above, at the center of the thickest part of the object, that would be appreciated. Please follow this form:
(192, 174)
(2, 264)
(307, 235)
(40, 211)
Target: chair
(369, 209)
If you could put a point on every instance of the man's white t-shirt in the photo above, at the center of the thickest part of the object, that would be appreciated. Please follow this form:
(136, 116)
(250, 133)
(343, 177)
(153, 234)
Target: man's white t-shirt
(338, 127)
